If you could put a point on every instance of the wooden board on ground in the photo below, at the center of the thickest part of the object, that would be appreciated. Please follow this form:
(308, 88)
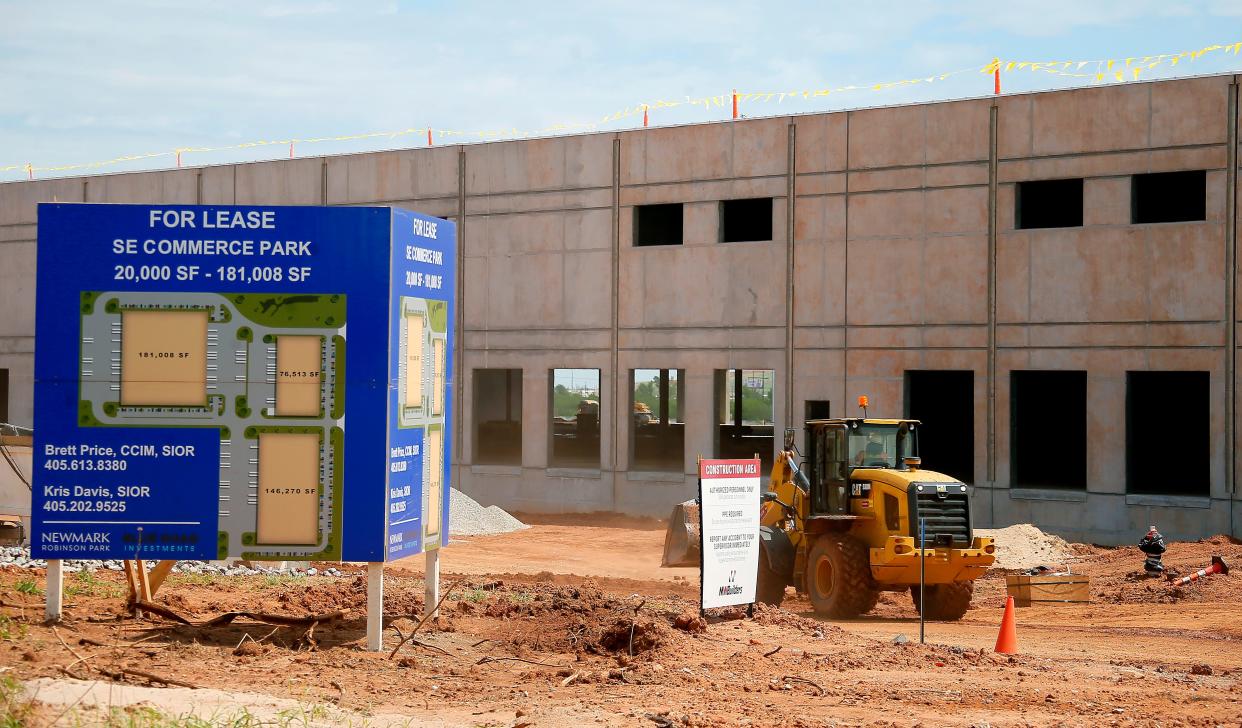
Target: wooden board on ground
(1048, 588)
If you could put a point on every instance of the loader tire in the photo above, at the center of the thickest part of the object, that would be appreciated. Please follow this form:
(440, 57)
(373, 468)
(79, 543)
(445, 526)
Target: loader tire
(838, 577)
(770, 587)
(945, 602)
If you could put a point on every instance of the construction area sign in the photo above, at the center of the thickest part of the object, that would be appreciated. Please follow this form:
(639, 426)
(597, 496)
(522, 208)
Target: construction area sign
(196, 368)
(729, 500)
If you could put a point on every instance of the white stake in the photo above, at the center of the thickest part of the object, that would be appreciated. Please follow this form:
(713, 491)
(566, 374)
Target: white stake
(375, 606)
(55, 587)
(431, 594)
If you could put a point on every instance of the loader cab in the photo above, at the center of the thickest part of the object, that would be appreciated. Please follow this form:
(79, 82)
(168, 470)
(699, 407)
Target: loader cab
(836, 447)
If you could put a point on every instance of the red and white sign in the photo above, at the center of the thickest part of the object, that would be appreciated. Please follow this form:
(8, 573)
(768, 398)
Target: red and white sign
(729, 509)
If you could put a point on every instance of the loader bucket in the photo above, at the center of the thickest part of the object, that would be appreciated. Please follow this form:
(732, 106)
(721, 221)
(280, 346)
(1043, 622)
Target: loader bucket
(681, 540)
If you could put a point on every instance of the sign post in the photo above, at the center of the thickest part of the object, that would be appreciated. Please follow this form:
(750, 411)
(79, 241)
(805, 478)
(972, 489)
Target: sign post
(431, 591)
(729, 499)
(194, 367)
(375, 606)
(55, 590)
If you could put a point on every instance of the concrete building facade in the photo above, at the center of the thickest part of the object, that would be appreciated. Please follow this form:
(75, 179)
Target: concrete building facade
(1022, 264)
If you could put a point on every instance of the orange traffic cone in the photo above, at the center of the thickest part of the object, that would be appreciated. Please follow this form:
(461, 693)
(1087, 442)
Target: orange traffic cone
(1007, 640)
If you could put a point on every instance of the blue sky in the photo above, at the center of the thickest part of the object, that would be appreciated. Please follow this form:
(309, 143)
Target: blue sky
(87, 81)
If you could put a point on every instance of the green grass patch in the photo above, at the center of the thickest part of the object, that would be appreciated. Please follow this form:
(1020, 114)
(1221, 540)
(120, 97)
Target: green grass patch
(11, 630)
(302, 716)
(278, 580)
(195, 579)
(86, 584)
(470, 595)
(16, 711)
(145, 716)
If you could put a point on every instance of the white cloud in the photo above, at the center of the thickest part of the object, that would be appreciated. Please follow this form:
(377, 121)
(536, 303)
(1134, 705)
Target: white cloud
(1229, 8)
(282, 10)
(1050, 18)
(108, 79)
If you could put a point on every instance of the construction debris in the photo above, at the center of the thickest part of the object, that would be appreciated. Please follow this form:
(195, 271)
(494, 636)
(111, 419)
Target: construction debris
(228, 617)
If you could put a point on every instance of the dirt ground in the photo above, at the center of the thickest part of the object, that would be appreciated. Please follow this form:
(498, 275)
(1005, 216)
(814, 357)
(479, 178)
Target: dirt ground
(569, 625)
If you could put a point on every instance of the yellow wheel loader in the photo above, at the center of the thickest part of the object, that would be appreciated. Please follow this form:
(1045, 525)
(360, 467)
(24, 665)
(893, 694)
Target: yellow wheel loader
(845, 526)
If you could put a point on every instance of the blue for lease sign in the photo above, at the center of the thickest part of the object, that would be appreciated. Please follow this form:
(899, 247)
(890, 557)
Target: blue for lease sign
(420, 367)
(196, 368)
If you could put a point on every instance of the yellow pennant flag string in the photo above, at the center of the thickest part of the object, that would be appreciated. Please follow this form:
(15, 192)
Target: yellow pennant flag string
(1105, 68)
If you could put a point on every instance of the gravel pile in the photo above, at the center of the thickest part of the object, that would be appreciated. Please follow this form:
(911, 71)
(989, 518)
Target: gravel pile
(208, 567)
(19, 556)
(1023, 546)
(468, 518)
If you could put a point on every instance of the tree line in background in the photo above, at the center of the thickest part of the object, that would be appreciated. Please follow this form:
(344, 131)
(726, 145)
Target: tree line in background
(565, 402)
(756, 402)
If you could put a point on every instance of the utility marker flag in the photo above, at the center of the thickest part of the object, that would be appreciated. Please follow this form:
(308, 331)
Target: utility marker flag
(729, 508)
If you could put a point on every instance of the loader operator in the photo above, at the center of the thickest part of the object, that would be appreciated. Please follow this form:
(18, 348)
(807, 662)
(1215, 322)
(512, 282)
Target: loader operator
(873, 451)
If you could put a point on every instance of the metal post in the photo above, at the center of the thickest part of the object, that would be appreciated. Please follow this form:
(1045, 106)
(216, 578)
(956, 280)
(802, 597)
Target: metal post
(459, 341)
(922, 576)
(617, 406)
(431, 591)
(55, 587)
(698, 469)
(993, 182)
(790, 253)
(1231, 306)
(619, 410)
(375, 606)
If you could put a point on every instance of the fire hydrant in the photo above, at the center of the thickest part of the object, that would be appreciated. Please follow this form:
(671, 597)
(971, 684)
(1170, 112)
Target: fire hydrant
(1153, 545)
